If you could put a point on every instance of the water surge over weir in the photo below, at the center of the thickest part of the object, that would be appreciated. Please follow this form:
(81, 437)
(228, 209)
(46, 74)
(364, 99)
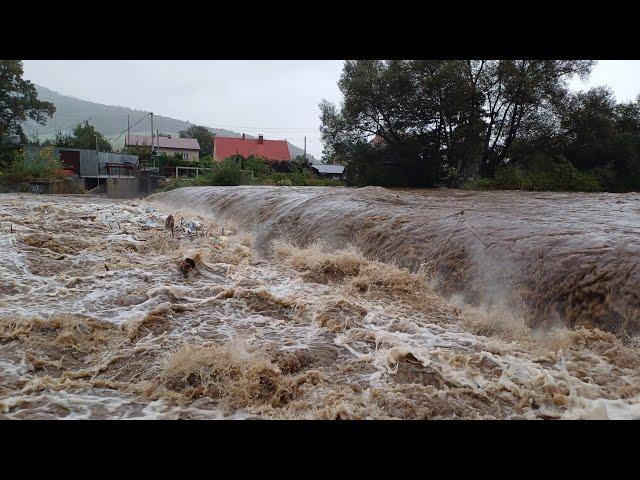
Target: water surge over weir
(99, 319)
(568, 258)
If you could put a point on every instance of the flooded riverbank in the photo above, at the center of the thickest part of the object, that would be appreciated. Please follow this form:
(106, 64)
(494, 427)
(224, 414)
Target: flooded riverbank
(380, 319)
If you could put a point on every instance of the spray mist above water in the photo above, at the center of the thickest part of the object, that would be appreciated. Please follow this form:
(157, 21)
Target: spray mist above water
(320, 303)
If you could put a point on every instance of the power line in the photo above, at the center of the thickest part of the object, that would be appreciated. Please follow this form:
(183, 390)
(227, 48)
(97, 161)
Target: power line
(66, 128)
(279, 129)
(287, 134)
(128, 128)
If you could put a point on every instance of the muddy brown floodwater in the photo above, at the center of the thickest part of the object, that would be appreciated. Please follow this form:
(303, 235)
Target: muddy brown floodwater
(558, 257)
(320, 303)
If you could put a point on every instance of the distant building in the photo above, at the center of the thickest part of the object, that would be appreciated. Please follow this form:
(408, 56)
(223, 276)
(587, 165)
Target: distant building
(329, 171)
(188, 148)
(271, 150)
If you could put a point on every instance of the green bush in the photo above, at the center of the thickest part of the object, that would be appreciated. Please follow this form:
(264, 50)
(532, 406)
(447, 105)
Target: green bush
(606, 177)
(251, 171)
(205, 162)
(7, 157)
(174, 160)
(227, 172)
(509, 178)
(564, 176)
(45, 164)
(257, 166)
(561, 176)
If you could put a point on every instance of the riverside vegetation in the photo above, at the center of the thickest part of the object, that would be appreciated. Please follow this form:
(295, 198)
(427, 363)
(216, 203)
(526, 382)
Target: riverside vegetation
(478, 124)
(248, 171)
(482, 124)
(17, 168)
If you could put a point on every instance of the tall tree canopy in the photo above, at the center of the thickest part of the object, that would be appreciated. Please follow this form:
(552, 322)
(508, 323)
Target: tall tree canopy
(441, 120)
(515, 93)
(19, 100)
(84, 136)
(203, 135)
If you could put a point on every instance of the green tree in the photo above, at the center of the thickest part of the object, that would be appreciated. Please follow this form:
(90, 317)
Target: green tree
(627, 117)
(204, 136)
(514, 95)
(84, 136)
(586, 139)
(425, 112)
(19, 100)
(299, 163)
(588, 128)
(441, 122)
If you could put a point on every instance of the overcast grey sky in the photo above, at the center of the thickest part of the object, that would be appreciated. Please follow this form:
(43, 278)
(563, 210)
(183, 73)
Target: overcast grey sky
(277, 98)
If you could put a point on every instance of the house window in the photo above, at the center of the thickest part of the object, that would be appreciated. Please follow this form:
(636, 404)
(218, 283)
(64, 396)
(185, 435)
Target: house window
(185, 156)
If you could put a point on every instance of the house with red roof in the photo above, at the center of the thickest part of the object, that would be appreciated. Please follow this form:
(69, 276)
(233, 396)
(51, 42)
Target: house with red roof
(187, 148)
(270, 150)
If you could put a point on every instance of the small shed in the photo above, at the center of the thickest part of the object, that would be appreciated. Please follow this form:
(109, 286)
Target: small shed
(89, 163)
(329, 171)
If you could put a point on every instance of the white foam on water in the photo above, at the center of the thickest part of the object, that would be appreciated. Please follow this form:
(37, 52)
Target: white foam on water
(337, 343)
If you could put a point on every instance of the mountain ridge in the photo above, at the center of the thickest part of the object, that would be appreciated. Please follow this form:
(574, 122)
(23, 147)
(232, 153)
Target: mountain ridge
(111, 120)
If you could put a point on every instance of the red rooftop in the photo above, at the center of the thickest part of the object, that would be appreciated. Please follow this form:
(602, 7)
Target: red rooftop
(272, 150)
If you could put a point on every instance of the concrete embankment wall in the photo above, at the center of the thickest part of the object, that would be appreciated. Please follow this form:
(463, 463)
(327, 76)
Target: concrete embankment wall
(131, 187)
(62, 186)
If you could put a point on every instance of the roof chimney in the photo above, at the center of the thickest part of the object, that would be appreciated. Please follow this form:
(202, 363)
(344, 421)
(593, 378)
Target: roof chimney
(260, 139)
(243, 136)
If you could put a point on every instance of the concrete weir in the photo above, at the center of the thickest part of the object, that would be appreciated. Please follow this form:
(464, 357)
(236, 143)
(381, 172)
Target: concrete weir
(130, 187)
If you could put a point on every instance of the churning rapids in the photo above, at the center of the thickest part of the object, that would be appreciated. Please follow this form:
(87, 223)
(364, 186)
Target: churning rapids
(320, 303)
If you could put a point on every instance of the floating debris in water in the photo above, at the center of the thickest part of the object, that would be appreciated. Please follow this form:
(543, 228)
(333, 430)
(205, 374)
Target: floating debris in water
(186, 266)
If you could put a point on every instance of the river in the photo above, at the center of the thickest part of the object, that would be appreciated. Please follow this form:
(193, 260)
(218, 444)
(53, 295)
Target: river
(320, 303)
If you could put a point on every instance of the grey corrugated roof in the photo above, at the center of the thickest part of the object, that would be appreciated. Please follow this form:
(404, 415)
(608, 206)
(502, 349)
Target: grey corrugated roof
(330, 169)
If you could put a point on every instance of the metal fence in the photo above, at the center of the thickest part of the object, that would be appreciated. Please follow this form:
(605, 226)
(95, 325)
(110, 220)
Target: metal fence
(191, 170)
(195, 171)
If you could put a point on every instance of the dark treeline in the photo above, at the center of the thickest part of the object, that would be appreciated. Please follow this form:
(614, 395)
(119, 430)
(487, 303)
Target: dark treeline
(483, 123)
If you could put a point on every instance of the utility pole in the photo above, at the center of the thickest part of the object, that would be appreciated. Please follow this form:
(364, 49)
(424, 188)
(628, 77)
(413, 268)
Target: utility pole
(128, 135)
(97, 160)
(151, 115)
(305, 148)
